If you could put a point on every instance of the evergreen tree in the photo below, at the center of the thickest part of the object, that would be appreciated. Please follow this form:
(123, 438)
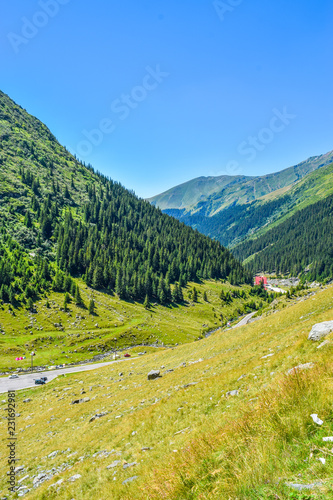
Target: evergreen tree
(146, 303)
(91, 308)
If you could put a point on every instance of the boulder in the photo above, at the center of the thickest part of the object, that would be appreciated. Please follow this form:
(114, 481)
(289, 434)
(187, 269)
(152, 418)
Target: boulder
(153, 374)
(320, 330)
(232, 393)
(305, 366)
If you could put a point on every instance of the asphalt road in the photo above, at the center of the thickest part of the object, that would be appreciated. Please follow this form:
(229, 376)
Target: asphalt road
(28, 379)
(245, 320)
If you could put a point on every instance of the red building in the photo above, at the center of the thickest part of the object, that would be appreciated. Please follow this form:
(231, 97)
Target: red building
(261, 279)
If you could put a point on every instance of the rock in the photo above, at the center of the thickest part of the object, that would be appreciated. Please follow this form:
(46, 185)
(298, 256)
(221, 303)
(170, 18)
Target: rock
(153, 374)
(74, 478)
(78, 401)
(26, 400)
(114, 464)
(98, 415)
(330, 438)
(320, 330)
(322, 460)
(305, 366)
(19, 469)
(232, 393)
(53, 454)
(316, 420)
(130, 479)
(126, 466)
(300, 487)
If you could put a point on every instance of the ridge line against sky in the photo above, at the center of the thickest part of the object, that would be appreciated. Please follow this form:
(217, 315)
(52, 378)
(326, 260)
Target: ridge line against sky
(156, 94)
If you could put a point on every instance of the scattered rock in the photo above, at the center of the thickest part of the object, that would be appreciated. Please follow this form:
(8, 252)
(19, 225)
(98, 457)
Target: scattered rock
(300, 487)
(114, 464)
(153, 374)
(130, 479)
(316, 420)
(232, 393)
(305, 366)
(78, 401)
(98, 415)
(320, 330)
(126, 466)
(74, 478)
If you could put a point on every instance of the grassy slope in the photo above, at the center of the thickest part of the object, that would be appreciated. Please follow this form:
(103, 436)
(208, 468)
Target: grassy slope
(128, 322)
(203, 444)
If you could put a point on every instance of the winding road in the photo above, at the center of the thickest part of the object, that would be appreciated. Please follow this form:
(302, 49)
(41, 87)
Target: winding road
(28, 379)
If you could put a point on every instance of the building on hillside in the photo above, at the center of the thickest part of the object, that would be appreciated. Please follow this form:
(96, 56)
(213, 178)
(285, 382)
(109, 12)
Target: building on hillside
(260, 279)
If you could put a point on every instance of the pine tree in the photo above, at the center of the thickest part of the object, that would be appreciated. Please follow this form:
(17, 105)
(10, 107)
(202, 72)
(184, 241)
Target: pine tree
(205, 296)
(146, 303)
(66, 301)
(78, 298)
(91, 308)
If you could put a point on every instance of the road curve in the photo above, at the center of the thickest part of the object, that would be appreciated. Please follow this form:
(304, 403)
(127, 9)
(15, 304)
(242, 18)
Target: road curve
(28, 379)
(245, 320)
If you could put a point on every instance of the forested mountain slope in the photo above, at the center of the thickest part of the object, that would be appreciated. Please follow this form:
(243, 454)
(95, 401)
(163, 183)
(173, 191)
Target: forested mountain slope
(236, 223)
(60, 219)
(301, 244)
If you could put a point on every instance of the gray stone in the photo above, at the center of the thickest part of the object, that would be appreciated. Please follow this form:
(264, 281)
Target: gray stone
(130, 479)
(300, 487)
(232, 393)
(153, 374)
(98, 415)
(78, 401)
(126, 466)
(320, 330)
(26, 400)
(305, 366)
(114, 464)
(75, 477)
(53, 454)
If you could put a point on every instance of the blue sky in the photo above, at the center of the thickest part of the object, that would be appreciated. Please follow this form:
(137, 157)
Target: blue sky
(157, 92)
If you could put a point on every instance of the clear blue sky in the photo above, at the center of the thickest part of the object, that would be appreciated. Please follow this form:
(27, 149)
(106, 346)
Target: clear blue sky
(224, 73)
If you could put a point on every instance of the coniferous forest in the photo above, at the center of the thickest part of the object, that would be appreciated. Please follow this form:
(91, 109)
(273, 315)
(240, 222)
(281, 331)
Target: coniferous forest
(302, 244)
(60, 219)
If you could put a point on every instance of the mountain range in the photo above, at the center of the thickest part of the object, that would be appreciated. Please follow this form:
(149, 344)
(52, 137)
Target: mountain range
(238, 211)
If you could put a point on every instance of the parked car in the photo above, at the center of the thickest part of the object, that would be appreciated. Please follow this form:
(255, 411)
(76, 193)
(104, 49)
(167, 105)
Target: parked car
(39, 381)
(127, 355)
(13, 376)
(44, 378)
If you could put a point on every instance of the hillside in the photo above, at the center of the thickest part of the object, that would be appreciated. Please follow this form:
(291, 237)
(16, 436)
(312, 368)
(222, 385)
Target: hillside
(86, 266)
(234, 223)
(185, 435)
(64, 218)
(301, 244)
(210, 195)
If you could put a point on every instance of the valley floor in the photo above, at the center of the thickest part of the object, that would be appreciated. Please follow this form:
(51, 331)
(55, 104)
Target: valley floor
(223, 420)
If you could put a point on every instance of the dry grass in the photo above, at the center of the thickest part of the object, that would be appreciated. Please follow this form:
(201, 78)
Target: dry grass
(203, 444)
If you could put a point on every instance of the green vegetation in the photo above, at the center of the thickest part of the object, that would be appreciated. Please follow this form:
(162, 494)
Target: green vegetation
(53, 228)
(62, 331)
(300, 245)
(183, 435)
